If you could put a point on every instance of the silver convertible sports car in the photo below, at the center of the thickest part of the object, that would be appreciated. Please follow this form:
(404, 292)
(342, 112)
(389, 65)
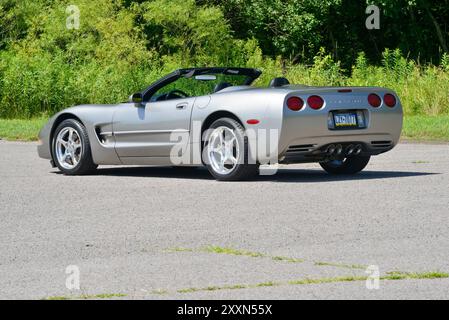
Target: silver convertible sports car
(214, 117)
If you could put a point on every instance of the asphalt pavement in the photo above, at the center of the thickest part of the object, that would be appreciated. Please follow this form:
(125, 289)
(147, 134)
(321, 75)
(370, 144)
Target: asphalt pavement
(162, 233)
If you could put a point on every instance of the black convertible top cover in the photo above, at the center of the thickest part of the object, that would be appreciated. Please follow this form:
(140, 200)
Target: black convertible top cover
(249, 72)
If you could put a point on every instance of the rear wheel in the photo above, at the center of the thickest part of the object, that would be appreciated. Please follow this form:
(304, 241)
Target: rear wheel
(71, 148)
(350, 165)
(226, 151)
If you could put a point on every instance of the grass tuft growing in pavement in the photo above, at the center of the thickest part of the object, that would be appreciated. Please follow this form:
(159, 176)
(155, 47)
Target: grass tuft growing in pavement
(238, 252)
(178, 249)
(287, 259)
(340, 265)
(88, 297)
(268, 284)
(58, 298)
(393, 275)
(189, 290)
(399, 275)
(159, 292)
(104, 296)
(326, 280)
(235, 287)
(232, 251)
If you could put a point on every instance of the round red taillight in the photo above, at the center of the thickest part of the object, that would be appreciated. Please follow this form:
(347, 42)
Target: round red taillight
(390, 100)
(315, 102)
(295, 103)
(374, 100)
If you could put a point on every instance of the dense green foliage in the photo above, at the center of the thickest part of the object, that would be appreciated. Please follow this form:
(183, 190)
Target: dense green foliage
(297, 29)
(423, 90)
(123, 45)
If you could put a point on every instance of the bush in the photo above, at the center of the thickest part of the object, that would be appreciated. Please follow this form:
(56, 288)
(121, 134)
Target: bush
(445, 62)
(118, 50)
(422, 89)
(123, 46)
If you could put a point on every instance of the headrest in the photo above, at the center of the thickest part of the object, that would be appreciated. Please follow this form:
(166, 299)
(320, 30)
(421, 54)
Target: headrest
(222, 85)
(278, 82)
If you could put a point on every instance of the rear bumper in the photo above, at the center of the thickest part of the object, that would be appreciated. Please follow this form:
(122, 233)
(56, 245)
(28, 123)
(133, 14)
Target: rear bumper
(305, 137)
(320, 152)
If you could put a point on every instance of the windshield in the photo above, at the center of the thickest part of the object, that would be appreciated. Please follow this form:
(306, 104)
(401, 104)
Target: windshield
(199, 85)
(196, 82)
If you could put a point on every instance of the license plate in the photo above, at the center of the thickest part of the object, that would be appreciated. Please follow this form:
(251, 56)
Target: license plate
(345, 120)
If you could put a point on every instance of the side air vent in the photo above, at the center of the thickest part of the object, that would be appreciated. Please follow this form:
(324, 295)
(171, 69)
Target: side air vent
(381, 144)
(103, 136)
(301, 148)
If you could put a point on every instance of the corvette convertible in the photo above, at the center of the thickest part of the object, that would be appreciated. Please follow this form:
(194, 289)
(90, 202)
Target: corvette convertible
(220, 113)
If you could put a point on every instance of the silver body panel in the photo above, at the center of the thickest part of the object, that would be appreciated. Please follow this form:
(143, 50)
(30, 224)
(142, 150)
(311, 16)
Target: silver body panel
(145, 131)
(130, 134)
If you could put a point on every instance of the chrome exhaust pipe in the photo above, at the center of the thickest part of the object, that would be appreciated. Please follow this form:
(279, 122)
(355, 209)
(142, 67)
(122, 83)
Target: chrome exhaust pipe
(338, 149)
(357, 150)
(330, 150)
(350, 150)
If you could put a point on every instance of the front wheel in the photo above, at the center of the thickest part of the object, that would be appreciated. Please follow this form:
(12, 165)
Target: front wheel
(350, 165)
(226, 151)
(71, 148)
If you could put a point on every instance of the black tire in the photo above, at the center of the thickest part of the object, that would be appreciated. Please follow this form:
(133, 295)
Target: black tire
(350, 165)
(85, 165)
(243, 170)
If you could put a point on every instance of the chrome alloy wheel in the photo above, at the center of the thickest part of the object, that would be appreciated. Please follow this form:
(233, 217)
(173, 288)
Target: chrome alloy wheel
(68, 148)
(223, 150)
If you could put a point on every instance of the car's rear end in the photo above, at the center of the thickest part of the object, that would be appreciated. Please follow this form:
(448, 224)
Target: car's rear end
(325, 123)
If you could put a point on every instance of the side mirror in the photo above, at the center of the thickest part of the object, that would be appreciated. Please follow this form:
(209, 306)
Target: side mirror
(136, 98)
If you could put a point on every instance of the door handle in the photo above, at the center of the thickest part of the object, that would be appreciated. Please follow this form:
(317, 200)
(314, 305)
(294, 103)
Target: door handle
(181, 106)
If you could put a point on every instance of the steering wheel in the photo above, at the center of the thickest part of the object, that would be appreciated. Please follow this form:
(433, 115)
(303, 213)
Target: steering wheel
(176, 94)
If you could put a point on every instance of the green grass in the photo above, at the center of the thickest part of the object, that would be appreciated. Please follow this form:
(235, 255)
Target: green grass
(326, 280)
(340, 265)
(159, 292)
(267, 284)
(287, 259)
(236, 287)
(20, 129)
(418, 128)
(426, 128)
(58, 298)
(88, 297)
(104, 296)
(178, 249)
(393, 275)
(239, 252)
(232, 251)
(252, 254)
(399, 275)
(189, 290)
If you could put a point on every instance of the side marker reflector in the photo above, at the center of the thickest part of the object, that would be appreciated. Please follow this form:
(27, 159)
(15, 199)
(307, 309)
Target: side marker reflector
(252, 121)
